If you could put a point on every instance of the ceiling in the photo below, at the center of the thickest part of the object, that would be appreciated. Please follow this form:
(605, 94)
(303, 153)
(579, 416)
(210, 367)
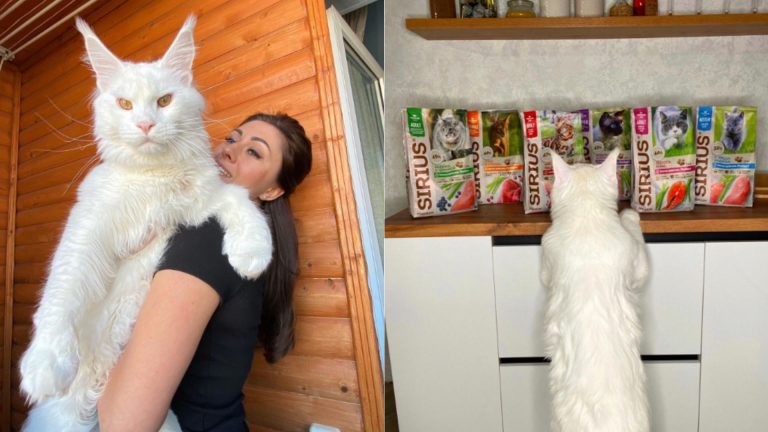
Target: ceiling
(29, 28)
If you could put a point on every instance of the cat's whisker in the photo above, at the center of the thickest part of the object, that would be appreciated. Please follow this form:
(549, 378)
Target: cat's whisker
(195, 149)
(67, 115)
(205, 118)
(61, 134)
(220, 121)
(88, 164)
(37, 152)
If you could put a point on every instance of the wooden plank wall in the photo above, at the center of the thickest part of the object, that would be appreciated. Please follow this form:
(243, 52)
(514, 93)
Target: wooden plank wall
(9, 106)
(252, 56)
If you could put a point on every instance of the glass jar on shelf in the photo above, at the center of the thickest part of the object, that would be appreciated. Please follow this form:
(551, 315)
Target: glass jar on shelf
(520, 9)
(620, 8)
(477, 8)
(588, 8)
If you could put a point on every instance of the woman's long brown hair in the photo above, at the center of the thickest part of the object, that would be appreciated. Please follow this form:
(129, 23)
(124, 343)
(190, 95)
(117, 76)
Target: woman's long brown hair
(276, 333)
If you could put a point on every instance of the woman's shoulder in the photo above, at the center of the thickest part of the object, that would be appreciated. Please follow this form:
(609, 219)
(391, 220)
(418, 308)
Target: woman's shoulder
(197, 250)
(207, 231)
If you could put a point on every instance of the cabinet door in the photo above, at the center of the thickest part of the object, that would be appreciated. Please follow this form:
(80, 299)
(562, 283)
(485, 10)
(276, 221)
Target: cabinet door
(673, 394)
(734, 351)
(441, 331)
(670, 309)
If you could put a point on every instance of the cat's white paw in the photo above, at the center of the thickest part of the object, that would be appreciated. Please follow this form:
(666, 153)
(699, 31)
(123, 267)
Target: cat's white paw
(249, 248)
(248, 255)
(629, 215)
(46, 371)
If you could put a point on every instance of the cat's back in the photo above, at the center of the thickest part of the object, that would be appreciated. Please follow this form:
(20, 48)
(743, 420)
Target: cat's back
(585, 242)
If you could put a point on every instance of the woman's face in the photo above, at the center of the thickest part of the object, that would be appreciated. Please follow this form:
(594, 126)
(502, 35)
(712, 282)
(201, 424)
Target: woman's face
(251, 156)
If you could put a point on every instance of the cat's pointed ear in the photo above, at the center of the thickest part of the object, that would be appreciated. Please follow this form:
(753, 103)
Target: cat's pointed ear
(103, 62)
(561, 168)
(181, 53)
(608, 167)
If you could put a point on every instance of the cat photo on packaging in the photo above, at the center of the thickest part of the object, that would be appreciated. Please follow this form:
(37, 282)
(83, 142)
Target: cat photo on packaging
(593, 266)
(726, 137)
(611, 130)
(439, 161)
(664, 156)
(548, 132)
(156, 173)
(497, 144)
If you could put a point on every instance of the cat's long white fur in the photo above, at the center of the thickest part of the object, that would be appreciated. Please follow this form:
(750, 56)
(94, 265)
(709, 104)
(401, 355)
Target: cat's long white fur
(594, 264)
(97, 281)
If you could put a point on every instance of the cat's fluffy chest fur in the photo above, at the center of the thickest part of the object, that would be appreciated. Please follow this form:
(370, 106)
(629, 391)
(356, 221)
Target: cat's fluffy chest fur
(593, 264)
(185, 192)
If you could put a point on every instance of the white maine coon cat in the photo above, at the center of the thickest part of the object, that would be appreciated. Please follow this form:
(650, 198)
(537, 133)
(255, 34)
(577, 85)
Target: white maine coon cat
(593, 265)
(156, 173)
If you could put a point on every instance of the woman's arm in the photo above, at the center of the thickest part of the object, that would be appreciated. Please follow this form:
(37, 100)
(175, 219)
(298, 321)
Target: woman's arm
(168, 329)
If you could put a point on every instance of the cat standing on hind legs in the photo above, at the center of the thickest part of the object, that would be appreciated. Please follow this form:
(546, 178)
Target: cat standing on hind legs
(593, 266)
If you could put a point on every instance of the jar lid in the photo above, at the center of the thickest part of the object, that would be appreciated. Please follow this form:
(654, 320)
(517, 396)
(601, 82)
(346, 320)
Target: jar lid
(520, 3)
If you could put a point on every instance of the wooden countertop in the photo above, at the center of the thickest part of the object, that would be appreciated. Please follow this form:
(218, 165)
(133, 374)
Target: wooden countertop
(510, 220)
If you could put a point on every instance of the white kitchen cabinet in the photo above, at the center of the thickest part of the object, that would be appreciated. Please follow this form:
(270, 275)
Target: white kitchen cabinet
(441, 331)
(670, 302)
(457, 305)
(673, 391)
(734, 351)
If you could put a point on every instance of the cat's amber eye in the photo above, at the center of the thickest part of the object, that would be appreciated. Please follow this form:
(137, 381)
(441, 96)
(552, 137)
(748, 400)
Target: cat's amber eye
(164, 101)
(125, 104)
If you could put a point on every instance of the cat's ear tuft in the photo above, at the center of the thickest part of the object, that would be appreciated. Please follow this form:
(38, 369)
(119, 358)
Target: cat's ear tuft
(608, 167)
(181, 53)
(561, 168)
(102, 61)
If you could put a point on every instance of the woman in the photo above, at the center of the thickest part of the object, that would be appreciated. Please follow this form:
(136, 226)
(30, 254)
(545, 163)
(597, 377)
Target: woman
(193, 341)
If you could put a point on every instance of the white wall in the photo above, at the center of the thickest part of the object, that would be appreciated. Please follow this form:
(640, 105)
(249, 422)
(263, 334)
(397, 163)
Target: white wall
(561, 75)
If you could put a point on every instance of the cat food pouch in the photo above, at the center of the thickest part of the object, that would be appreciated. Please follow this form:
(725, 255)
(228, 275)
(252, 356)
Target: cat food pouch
(665, 158)
(545, 132)
(440, 173)
(610, 129)
(725, 155)
(586, 134)
(497, 145)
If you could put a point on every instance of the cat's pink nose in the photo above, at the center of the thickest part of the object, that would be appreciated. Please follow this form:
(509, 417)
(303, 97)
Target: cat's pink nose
(145, 126)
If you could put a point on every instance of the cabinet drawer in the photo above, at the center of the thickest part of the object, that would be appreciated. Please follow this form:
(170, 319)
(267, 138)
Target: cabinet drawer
(673, 393)
(441, 333)
(670, 309)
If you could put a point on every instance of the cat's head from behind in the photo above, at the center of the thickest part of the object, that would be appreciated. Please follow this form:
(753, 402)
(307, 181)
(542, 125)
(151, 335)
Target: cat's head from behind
(585, 184)
(146, 112)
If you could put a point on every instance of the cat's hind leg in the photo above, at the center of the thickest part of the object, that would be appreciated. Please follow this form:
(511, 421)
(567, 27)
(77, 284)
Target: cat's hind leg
(80, 273)
(56, 415)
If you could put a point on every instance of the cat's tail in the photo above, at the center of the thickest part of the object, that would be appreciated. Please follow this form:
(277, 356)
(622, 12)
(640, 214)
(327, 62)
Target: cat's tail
(56, 415)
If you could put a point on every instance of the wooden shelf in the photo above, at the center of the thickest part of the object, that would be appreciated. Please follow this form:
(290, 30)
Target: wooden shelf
(510, 220)
(589, 28)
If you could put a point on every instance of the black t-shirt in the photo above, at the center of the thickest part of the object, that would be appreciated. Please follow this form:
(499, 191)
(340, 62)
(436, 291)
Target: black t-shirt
(210, 396)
